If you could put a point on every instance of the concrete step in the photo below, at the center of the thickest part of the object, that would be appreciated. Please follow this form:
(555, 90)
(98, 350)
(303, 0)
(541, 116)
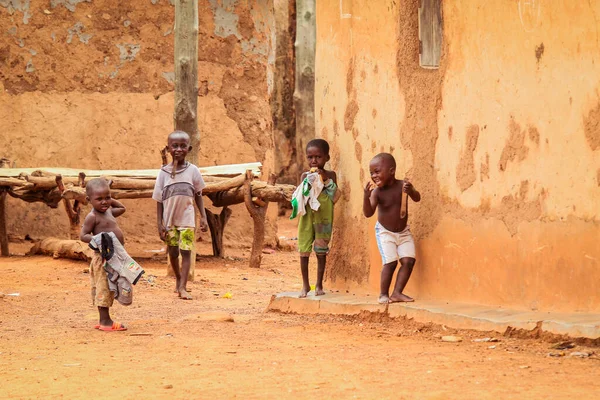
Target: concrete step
(454, 315)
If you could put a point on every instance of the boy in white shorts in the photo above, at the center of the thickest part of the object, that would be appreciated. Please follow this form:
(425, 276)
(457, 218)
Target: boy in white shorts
(393, 235)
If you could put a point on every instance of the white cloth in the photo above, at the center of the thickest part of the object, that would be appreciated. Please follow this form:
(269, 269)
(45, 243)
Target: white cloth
(303, 195)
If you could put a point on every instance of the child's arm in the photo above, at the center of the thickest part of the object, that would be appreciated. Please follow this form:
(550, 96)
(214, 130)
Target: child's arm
(411, 191)
(87, 229)
(162, 231)
(370, 200)
(117, 208)
(200, 205)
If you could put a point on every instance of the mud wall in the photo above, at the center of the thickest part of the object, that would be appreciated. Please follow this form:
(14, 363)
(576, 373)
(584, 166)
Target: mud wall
(89, 84)
(502, 141)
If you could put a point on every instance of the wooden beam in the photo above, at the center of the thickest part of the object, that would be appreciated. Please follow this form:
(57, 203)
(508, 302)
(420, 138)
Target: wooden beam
(4, 250)
(216, 223)
(258, 214)
(186, 73)
(274, 193)
(229, 170)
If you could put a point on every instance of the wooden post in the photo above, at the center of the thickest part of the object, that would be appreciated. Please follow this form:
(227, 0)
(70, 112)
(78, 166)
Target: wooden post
(304, 94)
(73, 212)
(217, 223)
(186, 73)
(258, 214)
(4, 251)
(186, 82)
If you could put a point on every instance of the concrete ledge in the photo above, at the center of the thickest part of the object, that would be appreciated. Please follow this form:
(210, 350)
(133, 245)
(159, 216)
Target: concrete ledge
(458, 316)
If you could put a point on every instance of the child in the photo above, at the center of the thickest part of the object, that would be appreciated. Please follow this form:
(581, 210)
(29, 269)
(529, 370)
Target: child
(314, 227)
(102, 218)
(178, 185)
(393, 235)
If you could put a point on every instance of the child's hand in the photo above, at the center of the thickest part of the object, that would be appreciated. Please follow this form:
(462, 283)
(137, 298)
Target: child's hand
(162, 233)
(323, 174)
(203, 224)
(369, 189)
(408, 187)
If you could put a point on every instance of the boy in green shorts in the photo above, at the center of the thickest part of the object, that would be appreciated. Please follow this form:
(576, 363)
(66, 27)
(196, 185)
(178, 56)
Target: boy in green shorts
(178, 185)
(313, 201)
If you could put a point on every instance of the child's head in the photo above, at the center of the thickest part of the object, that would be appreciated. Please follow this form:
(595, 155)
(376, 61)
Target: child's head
(383, 169)
(178, 144)
(98, 194)
(317, 153)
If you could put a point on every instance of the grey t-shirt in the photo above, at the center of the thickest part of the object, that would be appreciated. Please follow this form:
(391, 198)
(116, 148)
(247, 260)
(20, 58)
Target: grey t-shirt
(177, 195)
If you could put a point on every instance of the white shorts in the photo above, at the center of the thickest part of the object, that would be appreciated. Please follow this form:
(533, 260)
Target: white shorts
(394, 245)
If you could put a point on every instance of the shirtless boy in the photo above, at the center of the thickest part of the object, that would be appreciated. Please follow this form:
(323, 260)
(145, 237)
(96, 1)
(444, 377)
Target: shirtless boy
(102, 218)
(394, 240)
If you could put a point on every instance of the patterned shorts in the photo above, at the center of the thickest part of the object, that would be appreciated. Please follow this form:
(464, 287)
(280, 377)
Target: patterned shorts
(180, 237)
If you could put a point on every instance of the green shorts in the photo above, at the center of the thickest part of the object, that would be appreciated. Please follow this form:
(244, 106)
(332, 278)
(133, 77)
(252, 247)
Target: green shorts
(180, 237)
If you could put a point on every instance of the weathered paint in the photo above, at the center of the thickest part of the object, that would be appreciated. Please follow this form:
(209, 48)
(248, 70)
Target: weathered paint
(104, 96)
(502, 141)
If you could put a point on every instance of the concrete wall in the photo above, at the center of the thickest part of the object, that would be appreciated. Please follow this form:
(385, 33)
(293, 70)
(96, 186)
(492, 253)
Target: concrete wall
(89, 84)
(503, 141)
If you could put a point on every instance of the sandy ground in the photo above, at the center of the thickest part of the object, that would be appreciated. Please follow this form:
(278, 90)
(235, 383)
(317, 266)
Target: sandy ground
(49, 349)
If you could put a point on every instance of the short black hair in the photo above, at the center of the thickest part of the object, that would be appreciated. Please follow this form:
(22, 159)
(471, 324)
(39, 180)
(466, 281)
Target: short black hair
(94, 184)
(387, 157)
(179, 133)
(320, 144)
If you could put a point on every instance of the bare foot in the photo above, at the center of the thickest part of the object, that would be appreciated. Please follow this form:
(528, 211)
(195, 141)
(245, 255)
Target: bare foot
(176, 286)
(304, 292)
(384, 299)
(184, 295)
(319, 291)
(400, 298)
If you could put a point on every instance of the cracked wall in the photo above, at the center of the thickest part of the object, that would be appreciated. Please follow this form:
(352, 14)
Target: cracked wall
(90, 85)
(505, 158)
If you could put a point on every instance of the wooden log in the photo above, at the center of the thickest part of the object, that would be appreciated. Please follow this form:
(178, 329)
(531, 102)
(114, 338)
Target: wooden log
(4, 250)
(14, 182)
(258, 215)
(60, 248)
(220, 186)
(49, 197)
(216, 223)
(49, 182)
(229, 170)
(77, 193)
(272, 193)
(132, 184)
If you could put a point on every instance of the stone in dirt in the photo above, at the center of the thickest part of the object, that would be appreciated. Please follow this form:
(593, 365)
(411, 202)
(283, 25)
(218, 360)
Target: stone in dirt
(563, 345)
(451, 339)
(487, 339)
(581, 354)
(217, 316)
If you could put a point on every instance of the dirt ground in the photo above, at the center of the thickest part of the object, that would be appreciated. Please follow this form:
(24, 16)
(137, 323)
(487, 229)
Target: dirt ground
(178, 349)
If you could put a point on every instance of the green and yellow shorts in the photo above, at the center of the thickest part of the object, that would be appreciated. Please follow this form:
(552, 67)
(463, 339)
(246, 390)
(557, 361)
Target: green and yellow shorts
(180, 237)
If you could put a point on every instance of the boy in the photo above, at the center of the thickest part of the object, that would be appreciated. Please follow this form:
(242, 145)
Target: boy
(315, 227)
(178, 185)
(392, 231)
(102, 218)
